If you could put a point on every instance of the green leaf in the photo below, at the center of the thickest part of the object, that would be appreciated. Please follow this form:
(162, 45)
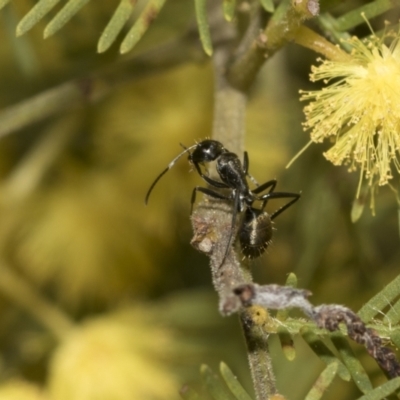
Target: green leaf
(115, 25)
(328, 24)
(187, 393)
(202, 23)
(354, 366)
(291, 280)
(287, 343)
(357, 208)
(63, 16)
(25, 55)
(37, 12)
(3, 3)
(229, 9)
(214, 384)
(370, 10)
(369, 310)
(148, 15)
(323, 382)
(233, 384)
(382, 391)
(324, 352)
(395, 338)
(268, 5)
(392, 317)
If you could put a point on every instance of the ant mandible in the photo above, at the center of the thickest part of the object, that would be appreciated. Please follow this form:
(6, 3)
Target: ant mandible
(255, 231)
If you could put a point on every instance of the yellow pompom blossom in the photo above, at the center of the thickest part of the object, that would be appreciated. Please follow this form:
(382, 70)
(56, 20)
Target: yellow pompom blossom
(361, 107)
(116, 357)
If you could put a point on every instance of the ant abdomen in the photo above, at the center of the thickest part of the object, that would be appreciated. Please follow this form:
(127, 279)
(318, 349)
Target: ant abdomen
(255, 232)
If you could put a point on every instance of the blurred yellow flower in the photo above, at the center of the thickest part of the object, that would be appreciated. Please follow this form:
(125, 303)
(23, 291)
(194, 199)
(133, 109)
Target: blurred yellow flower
(360, 107)
(17, 389)
(87, 235)
(119, 357)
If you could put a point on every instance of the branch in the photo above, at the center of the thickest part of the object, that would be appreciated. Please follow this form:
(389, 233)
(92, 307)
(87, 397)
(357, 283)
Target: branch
(212, 220)
(310, 39)
(326, 316)
(281, 29)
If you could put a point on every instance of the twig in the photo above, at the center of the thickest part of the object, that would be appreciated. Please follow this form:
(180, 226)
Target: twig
(310, 39)
(326, 316)
(259, 358)
(282, 28)
(212, 219)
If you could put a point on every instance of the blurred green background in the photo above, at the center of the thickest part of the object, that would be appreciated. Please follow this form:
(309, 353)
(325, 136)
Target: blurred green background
(76, 229)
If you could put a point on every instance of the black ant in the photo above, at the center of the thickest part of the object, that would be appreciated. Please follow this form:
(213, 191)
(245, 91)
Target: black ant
(256, 229)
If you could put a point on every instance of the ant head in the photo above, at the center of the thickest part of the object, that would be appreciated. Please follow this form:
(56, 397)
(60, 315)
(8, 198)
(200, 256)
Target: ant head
(206, 151)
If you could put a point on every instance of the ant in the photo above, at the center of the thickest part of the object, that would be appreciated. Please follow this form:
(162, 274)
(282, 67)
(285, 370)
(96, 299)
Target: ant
(256, 228)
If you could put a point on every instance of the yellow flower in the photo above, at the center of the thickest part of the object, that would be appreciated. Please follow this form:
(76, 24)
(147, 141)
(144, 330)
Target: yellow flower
(360, 106)
(118, 357)
(18, 389)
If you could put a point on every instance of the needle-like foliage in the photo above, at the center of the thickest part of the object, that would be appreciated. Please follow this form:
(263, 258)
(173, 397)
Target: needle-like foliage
(82, 138)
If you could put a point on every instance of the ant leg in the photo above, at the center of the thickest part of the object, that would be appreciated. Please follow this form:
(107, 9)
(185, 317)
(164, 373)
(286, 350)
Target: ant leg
(246, 168)
(270, 184)
(209, 180)
(251, 177)
(207, 192)
(280, 195)
(234, 214)
(215, 183)
(245, 162)
(286, 206)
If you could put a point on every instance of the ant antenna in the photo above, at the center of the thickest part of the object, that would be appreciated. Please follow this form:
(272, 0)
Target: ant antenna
(170, 165)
